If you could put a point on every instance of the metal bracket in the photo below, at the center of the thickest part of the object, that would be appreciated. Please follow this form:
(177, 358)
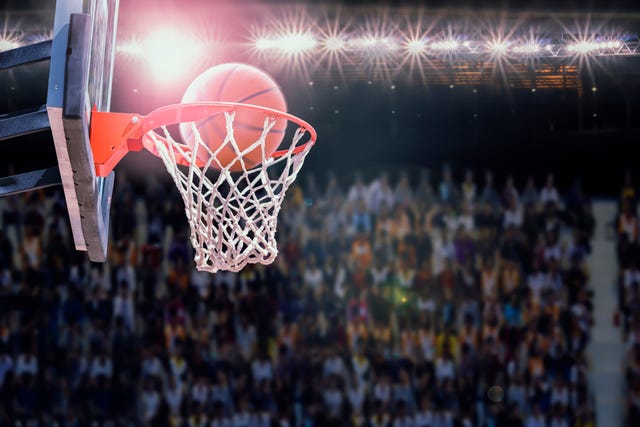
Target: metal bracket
(29, 181)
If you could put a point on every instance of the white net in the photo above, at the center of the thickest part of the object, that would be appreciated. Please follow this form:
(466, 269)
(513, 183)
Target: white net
(233, 216)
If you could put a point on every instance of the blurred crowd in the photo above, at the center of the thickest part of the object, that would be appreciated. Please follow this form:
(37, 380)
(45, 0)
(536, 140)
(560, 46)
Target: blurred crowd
(397, 301)
(629, 293)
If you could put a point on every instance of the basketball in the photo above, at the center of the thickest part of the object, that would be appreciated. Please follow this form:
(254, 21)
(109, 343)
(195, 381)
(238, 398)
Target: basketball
(239, 83)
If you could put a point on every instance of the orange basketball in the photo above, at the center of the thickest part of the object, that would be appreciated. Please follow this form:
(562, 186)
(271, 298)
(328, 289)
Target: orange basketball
(243, 84)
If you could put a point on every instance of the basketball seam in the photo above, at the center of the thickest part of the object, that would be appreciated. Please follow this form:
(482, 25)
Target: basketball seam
(253, 95)
(239, 125)
(216, 128)
(226, 79)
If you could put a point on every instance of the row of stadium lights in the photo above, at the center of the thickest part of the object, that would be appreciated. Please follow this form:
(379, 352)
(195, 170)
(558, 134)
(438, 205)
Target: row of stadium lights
(301, 43)
(295, 43)
(294, 47)
(305, 42)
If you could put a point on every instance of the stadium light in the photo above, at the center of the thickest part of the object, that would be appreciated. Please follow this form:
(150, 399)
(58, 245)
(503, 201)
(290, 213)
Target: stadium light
(445, 45)
(498, 47)
(528, 48)
(611, 44)
(334, 44)
(264, 43)
(373, 43)
(295, 43)
(289, 44)
(9, 41)
(583, 47)
(416, 47)
(169, 52)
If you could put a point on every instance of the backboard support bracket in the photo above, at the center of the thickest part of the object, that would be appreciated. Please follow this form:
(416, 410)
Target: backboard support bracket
(29, 181)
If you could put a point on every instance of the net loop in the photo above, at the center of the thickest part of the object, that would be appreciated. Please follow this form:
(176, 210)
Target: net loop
(233, 216)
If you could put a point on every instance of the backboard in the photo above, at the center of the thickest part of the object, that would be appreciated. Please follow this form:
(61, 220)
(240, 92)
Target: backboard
(80, 78)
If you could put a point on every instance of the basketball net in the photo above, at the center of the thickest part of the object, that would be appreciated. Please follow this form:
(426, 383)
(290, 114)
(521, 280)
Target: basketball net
(233, 216)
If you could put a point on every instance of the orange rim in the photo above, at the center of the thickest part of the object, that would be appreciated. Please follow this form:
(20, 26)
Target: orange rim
(193, 112)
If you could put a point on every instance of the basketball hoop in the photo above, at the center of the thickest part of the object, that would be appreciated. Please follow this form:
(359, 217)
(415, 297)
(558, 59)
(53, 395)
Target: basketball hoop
(232, 214)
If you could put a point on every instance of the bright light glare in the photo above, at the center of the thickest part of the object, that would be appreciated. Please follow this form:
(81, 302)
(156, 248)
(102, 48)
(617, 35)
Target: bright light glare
(262, 44)
(169, 52)
(364, 42)
(583, 47)
(297, 43)
(290, 44)
(9, 41)
(445, 45)
(334, 43)
(373, 43)
(416, 47)
(611, 44)
(527, 48)
(498, 47)
(131, 47)
(467, 44)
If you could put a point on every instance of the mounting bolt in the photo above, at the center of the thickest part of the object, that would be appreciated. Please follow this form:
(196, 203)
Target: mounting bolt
(135, 120)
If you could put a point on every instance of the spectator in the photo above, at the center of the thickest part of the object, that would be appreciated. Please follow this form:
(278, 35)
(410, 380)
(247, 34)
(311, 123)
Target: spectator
(150, 399)
(333, 401)
(6, 367)
(361, 218)
(403, 396)
(358, 190)
(361, 252)
(26, 363)
(489, 194)
(628, 223)
(424, 417)
(469, 188)
(123, 306)
(261, 369)
(101, 366)
(549, 193)
(334, 365)
(530, 194)
(382, 391)
(445, 366)
(536, 419)
(509, 193)
(356, 395)
(424, 192)
(380, 193)
(447, 189)
(403, 193)
(513, 214)
(200, 392)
